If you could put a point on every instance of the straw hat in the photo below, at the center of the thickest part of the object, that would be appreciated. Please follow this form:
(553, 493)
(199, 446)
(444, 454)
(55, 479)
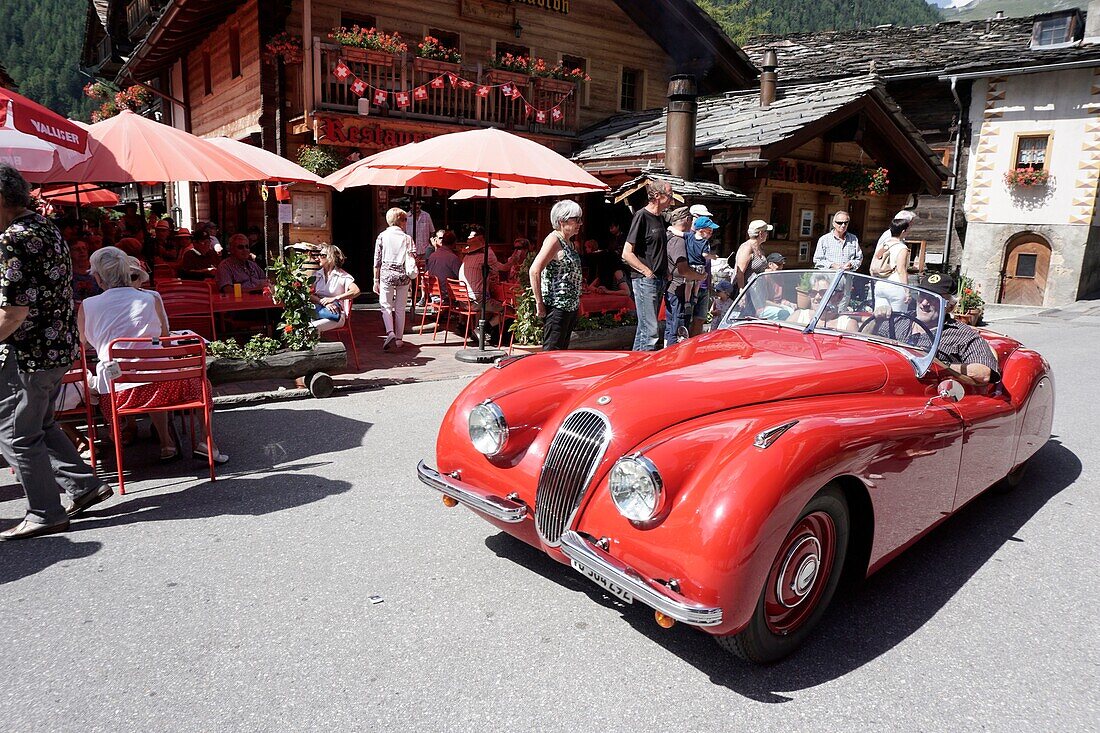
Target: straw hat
(183, 232)
(138, 275)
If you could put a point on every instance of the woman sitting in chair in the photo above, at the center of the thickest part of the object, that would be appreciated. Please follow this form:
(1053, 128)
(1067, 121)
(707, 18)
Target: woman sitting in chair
(123, 310)
(332, 285)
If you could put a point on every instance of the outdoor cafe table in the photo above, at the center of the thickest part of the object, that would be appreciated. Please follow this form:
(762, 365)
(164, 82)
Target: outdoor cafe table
(604, 303)
(227, 302)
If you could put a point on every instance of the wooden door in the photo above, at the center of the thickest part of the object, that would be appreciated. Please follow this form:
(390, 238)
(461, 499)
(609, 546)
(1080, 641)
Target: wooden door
(857, 212)
(1024, 277)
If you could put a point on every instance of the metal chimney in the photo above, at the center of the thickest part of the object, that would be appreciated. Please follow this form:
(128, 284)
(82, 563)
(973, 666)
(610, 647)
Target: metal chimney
(999, 15)
(768, 78)
(683, 109)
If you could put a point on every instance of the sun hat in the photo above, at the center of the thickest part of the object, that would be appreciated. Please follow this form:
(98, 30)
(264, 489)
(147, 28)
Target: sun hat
(704, 222)
(183, 232)
(162, 224)
(756, 225)
(700, 210)
(138, 275)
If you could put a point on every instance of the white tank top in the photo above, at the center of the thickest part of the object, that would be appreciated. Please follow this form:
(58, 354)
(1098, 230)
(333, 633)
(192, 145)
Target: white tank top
(118, 313)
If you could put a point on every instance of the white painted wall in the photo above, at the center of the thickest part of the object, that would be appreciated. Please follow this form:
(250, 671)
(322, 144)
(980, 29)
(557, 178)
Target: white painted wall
(1056, 102)
(180, 191)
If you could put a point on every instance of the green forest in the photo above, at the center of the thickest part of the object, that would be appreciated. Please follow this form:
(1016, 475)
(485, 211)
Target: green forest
(742, 19)
(40, 43)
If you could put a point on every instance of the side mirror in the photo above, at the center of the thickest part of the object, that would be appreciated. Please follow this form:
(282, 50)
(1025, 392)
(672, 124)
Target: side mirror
(951, 390)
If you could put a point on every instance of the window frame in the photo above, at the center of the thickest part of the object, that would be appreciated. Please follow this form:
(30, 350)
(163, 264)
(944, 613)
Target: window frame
(438, 32)
(234, 43)
(207, 75)
(639, 89)
(582, 86)
(1042, 24)
(1021, 136)
(347, 20)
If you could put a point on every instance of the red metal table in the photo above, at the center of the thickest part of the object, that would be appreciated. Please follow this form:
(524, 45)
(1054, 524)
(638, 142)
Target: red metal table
(604, 303)
(227, 303)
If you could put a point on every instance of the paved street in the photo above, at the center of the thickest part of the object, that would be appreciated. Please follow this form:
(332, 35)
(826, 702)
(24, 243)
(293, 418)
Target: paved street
(246, 604)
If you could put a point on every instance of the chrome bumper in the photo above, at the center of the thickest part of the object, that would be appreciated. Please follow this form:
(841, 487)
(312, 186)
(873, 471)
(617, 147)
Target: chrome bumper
(585, 553)
(477, 499)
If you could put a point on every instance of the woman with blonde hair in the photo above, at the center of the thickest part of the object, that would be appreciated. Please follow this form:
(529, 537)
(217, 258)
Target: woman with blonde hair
(556, 278)
(750, 259)
(391, 281)
(332, 285)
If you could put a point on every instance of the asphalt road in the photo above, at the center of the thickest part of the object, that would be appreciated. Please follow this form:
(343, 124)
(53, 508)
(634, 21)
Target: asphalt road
(245, 605)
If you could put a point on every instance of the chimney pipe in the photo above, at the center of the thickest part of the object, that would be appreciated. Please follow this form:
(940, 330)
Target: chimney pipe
(999, 15)
(768, 78)
(680, 126)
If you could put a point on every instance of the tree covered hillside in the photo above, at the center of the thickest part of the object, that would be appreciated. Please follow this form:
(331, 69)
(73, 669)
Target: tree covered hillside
(40, 43)
(792, 16)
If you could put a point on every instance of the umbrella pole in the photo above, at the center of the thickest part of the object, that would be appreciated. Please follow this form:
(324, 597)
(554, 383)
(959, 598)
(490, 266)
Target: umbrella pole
(482, 355)
(76, 193)
(145, 244)
(413, 213)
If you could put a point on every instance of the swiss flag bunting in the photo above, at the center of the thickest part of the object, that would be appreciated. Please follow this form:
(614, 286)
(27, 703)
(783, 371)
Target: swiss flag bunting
(437, 83)
(420, 94)
(556, 114)
(402, 99)
(540, 117)
(528, 110)
(465, 83)
(380, 96)
(453, 77)
(359, 87)
(516, 93)
(483, 91)
(341, 71)
(506, 90)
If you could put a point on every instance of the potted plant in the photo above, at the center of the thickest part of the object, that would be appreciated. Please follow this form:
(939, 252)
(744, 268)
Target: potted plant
(368, 45)
(321, 160)
(557, 79)
(860, 180)
(970, 306)
(509, 69)
(1026, 177)
(526, 328)
(432, 57)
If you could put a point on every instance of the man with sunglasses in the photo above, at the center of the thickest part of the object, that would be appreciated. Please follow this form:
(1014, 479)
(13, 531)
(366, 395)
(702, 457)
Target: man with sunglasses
(962, 349)
(839, 248)
(240, 269)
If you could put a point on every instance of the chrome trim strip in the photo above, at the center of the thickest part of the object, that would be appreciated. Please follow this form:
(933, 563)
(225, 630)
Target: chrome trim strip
(655, 595)
(496, 507)
(765, 438)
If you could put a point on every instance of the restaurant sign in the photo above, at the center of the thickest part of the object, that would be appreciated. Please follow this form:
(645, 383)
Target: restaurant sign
(357, 132)
(800, 172)
(558, 6)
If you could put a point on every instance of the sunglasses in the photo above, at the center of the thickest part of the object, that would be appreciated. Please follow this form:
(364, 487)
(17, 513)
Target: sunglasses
(819, 292)
(841, 223)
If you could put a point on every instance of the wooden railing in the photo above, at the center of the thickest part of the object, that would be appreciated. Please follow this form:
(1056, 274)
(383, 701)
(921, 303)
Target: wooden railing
(450, 103)
(140, 14)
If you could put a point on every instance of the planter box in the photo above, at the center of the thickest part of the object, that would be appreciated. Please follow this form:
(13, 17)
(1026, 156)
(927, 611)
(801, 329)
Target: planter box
(973, 317)
(554, 86)
(620, 338)
(367, 56)
(501, 76)
(325, 357)
(434, 67)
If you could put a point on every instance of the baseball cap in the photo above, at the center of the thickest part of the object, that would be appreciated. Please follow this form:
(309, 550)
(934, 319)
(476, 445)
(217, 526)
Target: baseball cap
(700, 210)
(704, 222)
(757, 224)
(939, 283)
(724, 286)
(777, 258)
(679, 214)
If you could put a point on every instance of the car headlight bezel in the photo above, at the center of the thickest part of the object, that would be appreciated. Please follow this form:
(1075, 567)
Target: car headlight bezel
(492, 429)
(627, 476)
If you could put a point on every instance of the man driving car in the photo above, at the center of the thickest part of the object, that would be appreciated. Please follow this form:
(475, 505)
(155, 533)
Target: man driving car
(962, 348)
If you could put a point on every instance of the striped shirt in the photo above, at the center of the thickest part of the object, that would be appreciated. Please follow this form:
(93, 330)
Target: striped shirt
(832, 251)
(960, 344)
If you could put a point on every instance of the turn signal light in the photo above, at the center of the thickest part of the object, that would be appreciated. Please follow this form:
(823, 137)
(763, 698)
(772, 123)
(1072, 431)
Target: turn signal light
(665, 622)
(449, 501)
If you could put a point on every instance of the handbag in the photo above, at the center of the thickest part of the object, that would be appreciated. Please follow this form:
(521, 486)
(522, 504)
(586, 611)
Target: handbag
(411, 269)
(883, 263)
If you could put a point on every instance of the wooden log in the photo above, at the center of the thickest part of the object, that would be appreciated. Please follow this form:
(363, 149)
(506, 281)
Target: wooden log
(325, 357)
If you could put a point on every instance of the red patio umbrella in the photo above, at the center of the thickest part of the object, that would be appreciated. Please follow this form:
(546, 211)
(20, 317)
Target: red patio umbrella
(277, 168)
(491, 155)
(35, 139)
(84, 194)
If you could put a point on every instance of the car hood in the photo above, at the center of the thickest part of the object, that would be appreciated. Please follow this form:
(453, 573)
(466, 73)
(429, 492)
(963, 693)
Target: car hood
(731, 368)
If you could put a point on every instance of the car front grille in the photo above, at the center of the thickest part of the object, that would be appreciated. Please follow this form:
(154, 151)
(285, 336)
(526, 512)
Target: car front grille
(574, 453)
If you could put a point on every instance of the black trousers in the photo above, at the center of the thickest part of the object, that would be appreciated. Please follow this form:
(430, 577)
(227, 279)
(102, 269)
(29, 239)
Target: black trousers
(557, 327)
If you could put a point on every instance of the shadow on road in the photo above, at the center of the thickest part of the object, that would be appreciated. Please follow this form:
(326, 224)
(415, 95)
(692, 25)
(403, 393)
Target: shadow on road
(889, 607)
(27, 557)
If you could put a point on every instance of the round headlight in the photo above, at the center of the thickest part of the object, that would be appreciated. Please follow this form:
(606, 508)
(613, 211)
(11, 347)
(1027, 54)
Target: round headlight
(488, 430)
(636, 488)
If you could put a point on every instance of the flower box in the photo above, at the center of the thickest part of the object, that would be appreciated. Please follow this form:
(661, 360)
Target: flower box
(368, 56)
(502, 76)
(286, 364)
(972, 317)
(434, 67)
(554, 86)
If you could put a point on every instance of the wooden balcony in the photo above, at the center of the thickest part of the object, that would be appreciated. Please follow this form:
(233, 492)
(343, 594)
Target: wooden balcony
(140, 16)
(450, 103)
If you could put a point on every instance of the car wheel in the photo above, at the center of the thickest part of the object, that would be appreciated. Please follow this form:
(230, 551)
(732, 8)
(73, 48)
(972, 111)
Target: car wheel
(1012, 480)
(801, 582)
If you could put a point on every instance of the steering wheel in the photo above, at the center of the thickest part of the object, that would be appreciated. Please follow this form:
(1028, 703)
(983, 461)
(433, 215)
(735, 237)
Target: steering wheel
(893, 329)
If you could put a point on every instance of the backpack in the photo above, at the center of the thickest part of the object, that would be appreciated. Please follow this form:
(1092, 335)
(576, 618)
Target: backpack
(884, 263)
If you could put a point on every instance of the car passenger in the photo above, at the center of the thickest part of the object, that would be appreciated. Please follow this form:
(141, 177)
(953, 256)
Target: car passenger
(962, 349)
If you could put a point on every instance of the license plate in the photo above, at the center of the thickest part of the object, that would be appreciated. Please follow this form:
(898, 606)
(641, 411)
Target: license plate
(603, 582)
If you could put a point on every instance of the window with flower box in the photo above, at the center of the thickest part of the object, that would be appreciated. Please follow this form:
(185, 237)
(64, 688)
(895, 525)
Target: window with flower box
(576, 62)
(347, 20)
(447, 39)
(1031, 151)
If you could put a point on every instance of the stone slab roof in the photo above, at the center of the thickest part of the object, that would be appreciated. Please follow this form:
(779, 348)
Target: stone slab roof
(924, 50)
(729, 121)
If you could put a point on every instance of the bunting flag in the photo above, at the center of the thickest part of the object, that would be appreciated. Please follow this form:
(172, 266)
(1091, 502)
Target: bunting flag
(404, 99)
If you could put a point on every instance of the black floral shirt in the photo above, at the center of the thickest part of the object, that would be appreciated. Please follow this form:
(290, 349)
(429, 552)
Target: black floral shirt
(35, 271)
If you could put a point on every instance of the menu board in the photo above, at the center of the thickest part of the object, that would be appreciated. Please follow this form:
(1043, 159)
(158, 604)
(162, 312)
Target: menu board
(310, 210)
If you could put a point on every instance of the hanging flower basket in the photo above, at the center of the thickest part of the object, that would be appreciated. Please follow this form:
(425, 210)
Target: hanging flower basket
(861, 180)
(1026, 178)
(284, 46)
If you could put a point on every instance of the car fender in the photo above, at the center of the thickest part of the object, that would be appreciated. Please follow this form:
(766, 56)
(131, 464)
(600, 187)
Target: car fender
(1029, 383)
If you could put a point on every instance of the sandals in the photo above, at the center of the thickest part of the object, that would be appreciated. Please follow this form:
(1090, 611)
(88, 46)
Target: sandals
(219, 457)
(169, 454)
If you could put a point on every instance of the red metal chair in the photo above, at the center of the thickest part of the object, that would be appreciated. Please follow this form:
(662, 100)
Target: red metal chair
(189, 305)
(436, 303)
(155, 361)
(462, 304)
(340, 331)
(78, 375)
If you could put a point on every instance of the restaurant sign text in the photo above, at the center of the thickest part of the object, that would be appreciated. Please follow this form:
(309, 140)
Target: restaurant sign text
(354, 132)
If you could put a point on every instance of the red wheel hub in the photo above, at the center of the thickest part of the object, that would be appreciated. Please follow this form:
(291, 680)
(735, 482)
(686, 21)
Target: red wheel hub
(800, 573)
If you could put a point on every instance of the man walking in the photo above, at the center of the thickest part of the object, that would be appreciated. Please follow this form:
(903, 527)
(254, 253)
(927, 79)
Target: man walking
(38, 343)
(645, 252)
(838, 249)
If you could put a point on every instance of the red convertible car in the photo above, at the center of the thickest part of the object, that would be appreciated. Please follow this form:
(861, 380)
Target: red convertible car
(730, 481)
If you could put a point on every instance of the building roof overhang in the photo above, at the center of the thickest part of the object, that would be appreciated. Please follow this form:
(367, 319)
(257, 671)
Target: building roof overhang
(181, 25)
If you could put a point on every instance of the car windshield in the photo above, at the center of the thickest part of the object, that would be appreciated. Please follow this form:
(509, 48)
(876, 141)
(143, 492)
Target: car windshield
(846, 304)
